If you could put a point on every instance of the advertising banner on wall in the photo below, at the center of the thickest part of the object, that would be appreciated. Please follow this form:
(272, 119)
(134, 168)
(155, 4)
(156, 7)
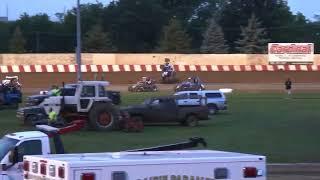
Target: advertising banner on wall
(291, 53)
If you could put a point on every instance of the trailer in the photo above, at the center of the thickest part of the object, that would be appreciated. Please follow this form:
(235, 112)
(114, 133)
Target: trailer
(147, 165)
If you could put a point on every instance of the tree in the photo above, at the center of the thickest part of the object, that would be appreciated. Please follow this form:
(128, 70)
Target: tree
(213, 39)
(17, 42)
(4, 36)
(175, 38)
(274, 15)
(134, 25)
(98, 41)
(252, 39)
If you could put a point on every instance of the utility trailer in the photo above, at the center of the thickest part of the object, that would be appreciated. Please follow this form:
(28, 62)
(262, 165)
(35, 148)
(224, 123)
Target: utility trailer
(147, 165)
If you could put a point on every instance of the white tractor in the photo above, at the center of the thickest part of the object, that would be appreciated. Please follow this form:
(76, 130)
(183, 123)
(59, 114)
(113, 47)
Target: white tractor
(88, 101)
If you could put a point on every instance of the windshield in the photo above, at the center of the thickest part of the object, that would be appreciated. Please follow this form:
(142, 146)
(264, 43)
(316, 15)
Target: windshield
(6, 144)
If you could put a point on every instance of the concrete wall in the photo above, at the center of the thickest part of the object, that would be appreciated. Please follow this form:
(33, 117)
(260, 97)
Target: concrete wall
(182, 59)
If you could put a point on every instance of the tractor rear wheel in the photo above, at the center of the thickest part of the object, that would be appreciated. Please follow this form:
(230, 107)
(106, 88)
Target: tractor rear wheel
(103, 117)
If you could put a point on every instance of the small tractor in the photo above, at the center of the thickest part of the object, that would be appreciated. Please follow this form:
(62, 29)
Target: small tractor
(89, 102)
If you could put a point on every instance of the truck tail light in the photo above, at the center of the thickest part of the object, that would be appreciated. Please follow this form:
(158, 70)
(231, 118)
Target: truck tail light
(88, 176)
(250, 172)
(61, 172)
(26, 165)
(43, 169)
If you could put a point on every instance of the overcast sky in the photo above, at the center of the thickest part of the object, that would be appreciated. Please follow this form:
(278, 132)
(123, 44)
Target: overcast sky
(17, 7)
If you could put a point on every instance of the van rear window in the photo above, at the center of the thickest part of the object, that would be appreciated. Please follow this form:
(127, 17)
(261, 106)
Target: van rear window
(213, 95)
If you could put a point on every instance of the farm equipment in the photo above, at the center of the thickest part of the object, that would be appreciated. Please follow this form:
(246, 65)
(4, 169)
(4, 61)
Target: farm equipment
(146, 85)
(88, 102)
(10, 92)
(35, 100)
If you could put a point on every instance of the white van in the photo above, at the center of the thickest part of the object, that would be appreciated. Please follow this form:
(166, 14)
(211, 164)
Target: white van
(150, 165)
(214, 99)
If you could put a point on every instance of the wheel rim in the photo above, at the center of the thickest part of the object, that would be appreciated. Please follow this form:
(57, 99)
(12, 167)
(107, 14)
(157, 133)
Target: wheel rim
(212, 110)
(105, 119)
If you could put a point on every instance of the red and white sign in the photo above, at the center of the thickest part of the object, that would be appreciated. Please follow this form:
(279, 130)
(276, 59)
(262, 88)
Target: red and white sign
(289, 53)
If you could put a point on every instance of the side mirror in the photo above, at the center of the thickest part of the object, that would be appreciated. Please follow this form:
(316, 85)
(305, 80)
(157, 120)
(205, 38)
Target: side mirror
(13, 156)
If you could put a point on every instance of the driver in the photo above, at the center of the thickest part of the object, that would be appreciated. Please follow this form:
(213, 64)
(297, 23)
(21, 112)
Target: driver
(189, 81)
(167, 66)
(148, 81)
(196, 80)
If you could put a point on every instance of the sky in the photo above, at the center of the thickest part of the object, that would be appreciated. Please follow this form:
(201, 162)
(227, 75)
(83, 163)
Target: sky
(16, 7)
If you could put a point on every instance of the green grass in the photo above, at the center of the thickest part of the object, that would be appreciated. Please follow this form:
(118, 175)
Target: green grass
(285, 130)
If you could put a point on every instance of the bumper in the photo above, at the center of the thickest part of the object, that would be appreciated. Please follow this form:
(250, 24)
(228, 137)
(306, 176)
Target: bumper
(20, 116)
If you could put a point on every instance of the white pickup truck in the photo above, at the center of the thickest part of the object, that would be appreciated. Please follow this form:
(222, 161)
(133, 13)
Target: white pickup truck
(14, 146)
(147, 165)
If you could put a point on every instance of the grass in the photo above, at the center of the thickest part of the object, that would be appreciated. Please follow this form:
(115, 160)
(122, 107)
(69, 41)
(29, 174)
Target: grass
(285, 130)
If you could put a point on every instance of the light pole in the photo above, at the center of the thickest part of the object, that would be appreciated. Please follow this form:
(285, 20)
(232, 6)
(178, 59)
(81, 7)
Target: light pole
(78, 49)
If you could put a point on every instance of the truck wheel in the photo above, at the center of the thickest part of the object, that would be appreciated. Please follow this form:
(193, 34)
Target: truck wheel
(213, 109)
(103, 117)
(191, 121)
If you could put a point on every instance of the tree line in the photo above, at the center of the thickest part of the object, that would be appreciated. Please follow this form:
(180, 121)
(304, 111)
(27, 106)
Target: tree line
(162, 26)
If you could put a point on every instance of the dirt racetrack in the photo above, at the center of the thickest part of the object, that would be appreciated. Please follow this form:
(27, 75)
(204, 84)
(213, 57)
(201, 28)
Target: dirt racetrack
(253, 81)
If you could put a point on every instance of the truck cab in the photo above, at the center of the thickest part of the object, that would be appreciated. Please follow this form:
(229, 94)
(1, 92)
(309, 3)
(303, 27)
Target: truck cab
(14, 146)
(20, 143)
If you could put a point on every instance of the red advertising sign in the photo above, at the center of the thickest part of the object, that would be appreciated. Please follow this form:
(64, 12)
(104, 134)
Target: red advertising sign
(294, 53)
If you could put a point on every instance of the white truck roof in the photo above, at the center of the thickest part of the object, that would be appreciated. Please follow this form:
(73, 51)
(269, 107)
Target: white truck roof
(148, 157)
(103, 83)
(26, 135)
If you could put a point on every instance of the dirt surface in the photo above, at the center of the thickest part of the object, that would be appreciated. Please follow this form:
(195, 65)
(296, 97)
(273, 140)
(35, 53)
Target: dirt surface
(237, 87)
(239, 79)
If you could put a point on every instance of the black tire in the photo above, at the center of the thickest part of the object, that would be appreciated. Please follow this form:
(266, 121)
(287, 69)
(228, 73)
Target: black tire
(213, 109)
(191, 121)
(103, 117)
(140, 89)
(154, 88)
